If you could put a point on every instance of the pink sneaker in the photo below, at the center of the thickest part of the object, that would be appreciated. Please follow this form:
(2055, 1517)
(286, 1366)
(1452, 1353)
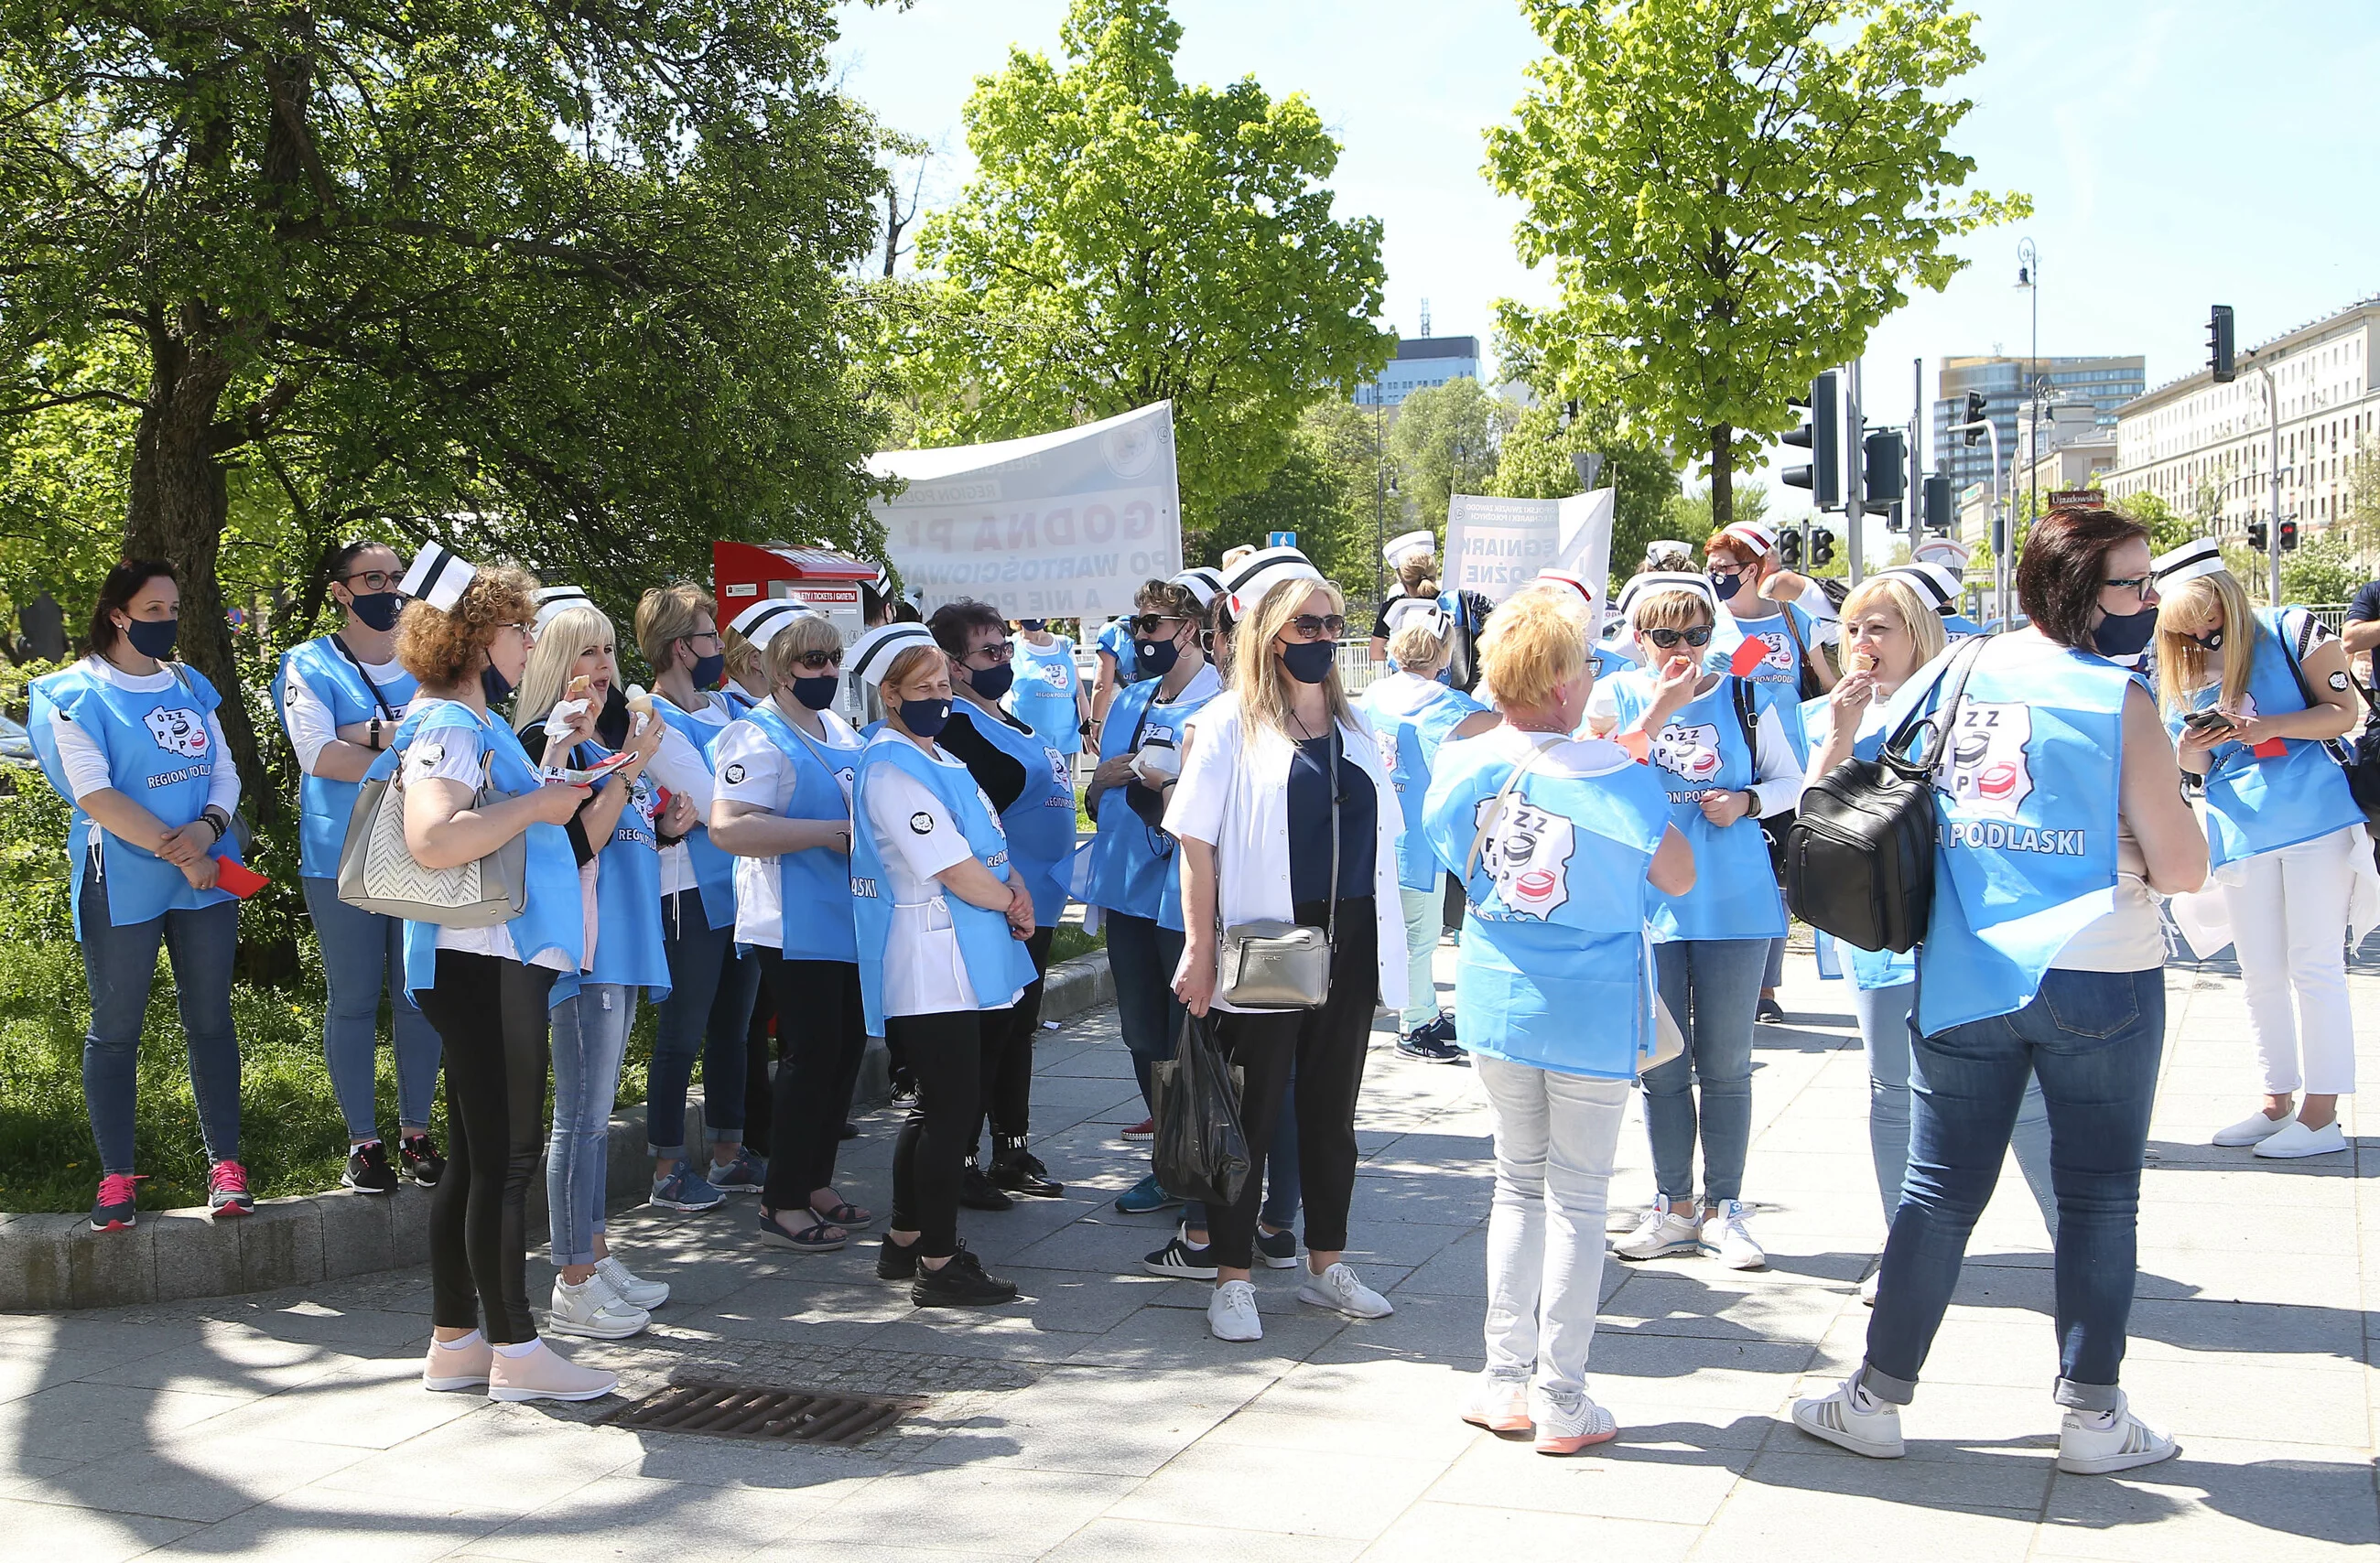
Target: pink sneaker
(448, 1368)
(228, 1190)
(545, 1375)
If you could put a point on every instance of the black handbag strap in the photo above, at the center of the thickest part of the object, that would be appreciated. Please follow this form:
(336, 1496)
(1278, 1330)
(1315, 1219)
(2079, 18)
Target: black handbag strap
(1896, 752)
(386, 710)
(2290, 654)
(1330, 924)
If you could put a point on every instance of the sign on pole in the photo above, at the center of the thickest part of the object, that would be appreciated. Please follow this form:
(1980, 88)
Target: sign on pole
(1061, 526)
(1281, 539)
(2076, 499)
(1496, 545)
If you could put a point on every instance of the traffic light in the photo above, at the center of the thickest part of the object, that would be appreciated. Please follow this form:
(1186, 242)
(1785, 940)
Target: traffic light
(1788, 546)
(1894, 519)
(2256, 535)
(2219, 344)
(1885, 470)
(1822, 436)
(1976, 407)
(1939, 517)
(2288, 536)
(1821, 548)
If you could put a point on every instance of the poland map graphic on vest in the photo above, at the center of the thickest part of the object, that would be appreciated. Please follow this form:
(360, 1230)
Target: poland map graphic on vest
(1528, 856)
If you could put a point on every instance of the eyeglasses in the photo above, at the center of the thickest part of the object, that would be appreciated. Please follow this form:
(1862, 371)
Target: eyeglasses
(527, 631)
(999, 651)
(1152, 623)
(372, 580)
(1666, 638)
(818, 661)
(1317, 626)
(1717, 569)
(710, 636)
(2138, 585)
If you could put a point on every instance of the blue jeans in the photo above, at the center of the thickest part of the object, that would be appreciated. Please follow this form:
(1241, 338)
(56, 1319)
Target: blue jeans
(708, 1007)
(1712, 986)
(363, 951)
(1143, 956)
(119, 963)
(2093, 1039)
(591, 1037)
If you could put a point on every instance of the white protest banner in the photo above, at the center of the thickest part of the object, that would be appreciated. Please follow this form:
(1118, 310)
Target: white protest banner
(1061, 526)
(1497, 546)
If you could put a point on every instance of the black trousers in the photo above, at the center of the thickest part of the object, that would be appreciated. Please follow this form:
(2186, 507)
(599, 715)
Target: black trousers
(490, 1015)
(1008, 1049)
(759, 1107)
(945, 1054)
(1326, 1049)
(821, 1035)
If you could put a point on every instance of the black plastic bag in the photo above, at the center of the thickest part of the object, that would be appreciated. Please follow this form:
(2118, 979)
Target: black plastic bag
(1199, 1151)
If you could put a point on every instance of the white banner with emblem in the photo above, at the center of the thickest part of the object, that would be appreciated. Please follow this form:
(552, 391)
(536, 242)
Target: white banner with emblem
(1497, 546)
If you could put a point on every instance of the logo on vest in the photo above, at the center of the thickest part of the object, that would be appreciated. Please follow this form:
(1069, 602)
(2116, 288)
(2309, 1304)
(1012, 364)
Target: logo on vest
(1689, 750)
(1058, 674)
(1985, 770)
(1779, 659)
(1528, 856)
(1389, 756)
(1062, 782)
(178, 730)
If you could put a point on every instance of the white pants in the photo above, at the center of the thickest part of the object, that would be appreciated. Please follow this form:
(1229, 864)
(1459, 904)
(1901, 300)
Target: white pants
(1425, 924)
(2288, 927)
(1556, 1137)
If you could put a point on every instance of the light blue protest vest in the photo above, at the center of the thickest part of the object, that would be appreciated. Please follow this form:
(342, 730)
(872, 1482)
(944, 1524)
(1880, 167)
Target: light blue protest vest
(714, 871)
(1868, 968)
(1958, 627)
(627, 893)
(1702, 749)
(1412, 718)
(1040, 824)
(2256, 805)
(815, 919)
(552, 917)
(1609, 663)
(1044, 695)
(997, 963)
(324, 803)
(1116, 641)
(2026, 802)
(1133, 868)
(1554, 970)
(1782, 665)
(159, 756)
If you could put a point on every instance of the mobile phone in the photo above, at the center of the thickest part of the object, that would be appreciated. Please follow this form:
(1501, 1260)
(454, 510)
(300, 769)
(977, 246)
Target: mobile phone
(2206, 721)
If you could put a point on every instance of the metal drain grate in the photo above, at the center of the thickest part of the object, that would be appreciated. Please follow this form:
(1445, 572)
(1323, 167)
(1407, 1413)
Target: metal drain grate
(742, 1410)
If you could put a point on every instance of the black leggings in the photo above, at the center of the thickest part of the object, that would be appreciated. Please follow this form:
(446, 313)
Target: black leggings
(759, 1116)
(1326, 1047)
(821, 1036)
(945, 1053)
(1008, 1049)
(490, 1015)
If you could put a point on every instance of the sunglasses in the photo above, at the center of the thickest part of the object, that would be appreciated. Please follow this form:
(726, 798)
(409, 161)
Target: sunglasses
(818, 661)
(1318, 626)
(1666, 638)
(1152, 623)
(1000, 651)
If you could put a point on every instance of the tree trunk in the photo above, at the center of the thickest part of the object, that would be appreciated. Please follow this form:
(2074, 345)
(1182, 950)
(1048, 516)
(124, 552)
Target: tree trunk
(1722, 477)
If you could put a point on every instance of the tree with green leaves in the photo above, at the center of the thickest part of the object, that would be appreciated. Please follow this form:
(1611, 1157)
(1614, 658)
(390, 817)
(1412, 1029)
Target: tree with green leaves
(563, 282)
(1534, 462)
(1443, 442)
(1733, 193)
(1325, 491)
(1128, 239)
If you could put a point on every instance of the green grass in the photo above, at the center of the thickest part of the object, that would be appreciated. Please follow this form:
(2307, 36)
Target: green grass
(1070, 940)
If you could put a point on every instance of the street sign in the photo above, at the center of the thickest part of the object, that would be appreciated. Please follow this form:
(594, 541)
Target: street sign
(1281, 539)
(2076, 499)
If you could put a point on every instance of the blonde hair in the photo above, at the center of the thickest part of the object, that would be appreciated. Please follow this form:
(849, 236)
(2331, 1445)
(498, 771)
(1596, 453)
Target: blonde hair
(803, 635)
(1535, 644)
(1416, 645)
(743, 659)
(2181, 662)
(565, 635)
(1257, 677)
(1923, 625)
(1414, 573)
(908, 664)
(1671, 607)
(666, 616)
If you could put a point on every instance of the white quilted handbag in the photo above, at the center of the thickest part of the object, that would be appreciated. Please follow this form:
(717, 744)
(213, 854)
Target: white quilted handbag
(377, 871)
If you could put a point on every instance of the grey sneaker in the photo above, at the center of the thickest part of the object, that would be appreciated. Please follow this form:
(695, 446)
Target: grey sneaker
(743, 1175)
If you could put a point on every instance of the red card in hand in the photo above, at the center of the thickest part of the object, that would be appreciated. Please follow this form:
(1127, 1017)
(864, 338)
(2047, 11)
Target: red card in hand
(238, 878)
(1748, 656)
(2271, 748)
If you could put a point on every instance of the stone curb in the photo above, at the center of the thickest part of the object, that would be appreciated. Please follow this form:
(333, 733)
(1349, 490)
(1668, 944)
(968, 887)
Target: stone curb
(52, 1263)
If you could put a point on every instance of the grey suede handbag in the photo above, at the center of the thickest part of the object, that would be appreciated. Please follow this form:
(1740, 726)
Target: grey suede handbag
(1275, 966)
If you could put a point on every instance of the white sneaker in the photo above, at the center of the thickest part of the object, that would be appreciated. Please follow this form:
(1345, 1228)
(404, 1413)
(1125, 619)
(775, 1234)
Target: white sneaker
(1838, 1419)
(2294, 1139)
(2092, 1444)
(2252, 1129)
(632, 1288)
(594, 1312)
(1231, 1313)
(1500, 1405)
(1666, 1229)
(1338, 1288)
(1568, 1424)
(1725, 1234)
(1867, 1288)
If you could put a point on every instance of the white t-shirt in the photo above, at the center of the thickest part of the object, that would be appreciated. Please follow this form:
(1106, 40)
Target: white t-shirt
(916, 839)
(679, 767)
(752, 769)
(308, 716)
(430, 758)
(86, 764)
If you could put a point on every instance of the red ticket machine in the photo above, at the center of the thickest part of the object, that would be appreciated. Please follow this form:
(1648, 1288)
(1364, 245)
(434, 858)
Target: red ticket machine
(743, 573)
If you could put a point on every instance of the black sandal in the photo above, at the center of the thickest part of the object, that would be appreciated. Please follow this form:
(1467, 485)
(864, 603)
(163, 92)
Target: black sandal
(819, 1237)
(843, 1215)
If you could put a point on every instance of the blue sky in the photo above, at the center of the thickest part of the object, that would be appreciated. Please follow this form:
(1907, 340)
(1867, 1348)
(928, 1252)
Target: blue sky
(2177, 155)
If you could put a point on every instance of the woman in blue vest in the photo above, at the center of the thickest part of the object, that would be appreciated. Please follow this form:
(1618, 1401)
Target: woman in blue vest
(2060, 812)
(1031, 786)
(2251, 695)
(131, 740)
(1132, 857)
(783, 809)
(1727, 749)
(1560, 843)
(1046, 689)
(712, 987)
(1112, 650)
(614, 838)
(465, 636)
(943, 917)
(1890, 632)
(1413, 710)
(340, 696)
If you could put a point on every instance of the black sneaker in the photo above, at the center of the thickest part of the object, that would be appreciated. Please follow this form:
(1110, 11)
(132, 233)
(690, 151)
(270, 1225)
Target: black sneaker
(1180, 1261)
(419, 1153)
(368, 1171)
(960, 1284)
(896, 1262)
(1018, 1170)
(1418, 1043)
(975, 1192)
(1770, 1012)
(116, 1208)
(1278, 1250)
(850, 1130)
(1441, 1029)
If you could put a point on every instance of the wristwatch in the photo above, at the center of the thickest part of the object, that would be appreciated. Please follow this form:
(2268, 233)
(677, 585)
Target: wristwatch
(1751, 804)
(375, 733)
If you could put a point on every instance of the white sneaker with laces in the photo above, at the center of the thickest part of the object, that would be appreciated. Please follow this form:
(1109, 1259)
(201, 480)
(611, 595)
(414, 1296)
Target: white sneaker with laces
(1567, 1423)
(1667, 1228)
(1838, 1419)
(2092, 1444)
(592, 1311)
(1725, 1234)
(1498, 1404)
(631, 1287)
(2294, 1139)
(1231, 1313)
(1337, 1288)
(2252, 1129)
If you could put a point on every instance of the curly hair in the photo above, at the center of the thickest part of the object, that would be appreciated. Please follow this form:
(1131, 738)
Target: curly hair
(443, 648)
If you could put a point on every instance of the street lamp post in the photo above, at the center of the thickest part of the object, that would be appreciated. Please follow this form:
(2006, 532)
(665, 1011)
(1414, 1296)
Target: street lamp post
(1380, 501)
(2028, 277)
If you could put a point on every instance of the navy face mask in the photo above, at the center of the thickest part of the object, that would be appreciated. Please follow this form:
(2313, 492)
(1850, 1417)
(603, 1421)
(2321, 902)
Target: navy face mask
(707, 670)
(924, 717)
(377, 610)
(153, 638)
(1035, 626)
(1309, 661)
(992, 682)
(2124, 635)
(817, 692)
(493, 685)
(1155, 657)
(1725, 586)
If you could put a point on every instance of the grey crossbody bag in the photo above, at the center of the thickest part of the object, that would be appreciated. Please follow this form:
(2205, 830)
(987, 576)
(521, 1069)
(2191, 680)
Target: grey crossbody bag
(1275, 966)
